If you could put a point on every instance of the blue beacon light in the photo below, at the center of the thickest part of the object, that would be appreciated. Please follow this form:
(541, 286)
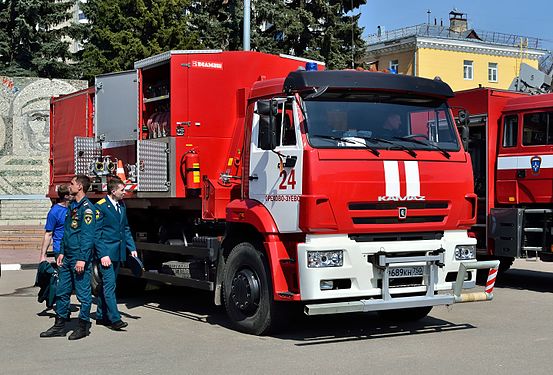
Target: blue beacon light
(311, 66)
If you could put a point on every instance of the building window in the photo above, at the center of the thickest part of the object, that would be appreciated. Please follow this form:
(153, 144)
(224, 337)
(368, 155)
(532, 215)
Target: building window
(492, 72)
(394, 66)
(467, 69)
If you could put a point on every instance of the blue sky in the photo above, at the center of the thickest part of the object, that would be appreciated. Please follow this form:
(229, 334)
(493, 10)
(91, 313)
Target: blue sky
(533, 18)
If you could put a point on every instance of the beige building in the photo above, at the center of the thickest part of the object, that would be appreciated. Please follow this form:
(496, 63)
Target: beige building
(464, 58)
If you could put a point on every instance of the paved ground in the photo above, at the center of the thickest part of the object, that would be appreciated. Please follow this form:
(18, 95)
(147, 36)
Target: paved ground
(174, 330)
(19, 256)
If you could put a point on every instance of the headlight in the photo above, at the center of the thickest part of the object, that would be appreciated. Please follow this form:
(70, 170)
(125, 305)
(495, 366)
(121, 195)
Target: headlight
(465, 252)
(330, 258)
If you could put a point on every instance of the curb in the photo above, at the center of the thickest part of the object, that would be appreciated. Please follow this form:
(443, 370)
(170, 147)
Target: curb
(18, 267)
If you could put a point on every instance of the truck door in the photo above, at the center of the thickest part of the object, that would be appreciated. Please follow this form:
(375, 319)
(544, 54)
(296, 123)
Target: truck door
(275, 176)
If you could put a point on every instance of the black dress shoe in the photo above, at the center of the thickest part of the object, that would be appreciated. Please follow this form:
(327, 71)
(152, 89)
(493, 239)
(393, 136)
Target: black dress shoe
(118, 325)
(103, 322)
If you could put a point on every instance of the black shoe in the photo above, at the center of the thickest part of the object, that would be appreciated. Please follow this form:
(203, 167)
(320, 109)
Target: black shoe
(57, 330)
(118, 325)
(103, 322)
(81, 331)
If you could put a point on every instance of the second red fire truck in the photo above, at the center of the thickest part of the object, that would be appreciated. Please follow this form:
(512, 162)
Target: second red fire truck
(270, 182)
(511, 143)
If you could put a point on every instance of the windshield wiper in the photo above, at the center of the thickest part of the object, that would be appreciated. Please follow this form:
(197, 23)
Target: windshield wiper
(425, 143)
(350, 141)
(373, 140)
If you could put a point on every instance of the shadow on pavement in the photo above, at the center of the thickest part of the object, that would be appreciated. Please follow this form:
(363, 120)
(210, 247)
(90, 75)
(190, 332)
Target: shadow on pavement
(183, 302)
(303, 330)
(319, 330)
(536, 281)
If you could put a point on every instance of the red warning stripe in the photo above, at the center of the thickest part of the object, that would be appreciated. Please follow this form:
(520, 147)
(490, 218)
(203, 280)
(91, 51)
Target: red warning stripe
(492, 275)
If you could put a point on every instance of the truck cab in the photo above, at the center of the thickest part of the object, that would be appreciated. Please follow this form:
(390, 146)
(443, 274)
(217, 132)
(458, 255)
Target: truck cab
(524, 176)
(367, 190)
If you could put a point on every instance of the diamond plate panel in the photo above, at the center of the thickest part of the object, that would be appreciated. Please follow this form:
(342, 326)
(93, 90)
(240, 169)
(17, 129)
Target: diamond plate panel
(152, 166)
(86, 152)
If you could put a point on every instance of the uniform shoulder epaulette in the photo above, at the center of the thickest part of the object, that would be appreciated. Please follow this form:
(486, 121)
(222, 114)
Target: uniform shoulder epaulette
(101, 201)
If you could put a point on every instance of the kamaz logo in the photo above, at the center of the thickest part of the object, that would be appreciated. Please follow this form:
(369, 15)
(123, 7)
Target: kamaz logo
(386, 198)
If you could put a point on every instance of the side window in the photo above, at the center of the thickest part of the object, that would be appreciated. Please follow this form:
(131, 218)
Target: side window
(433, 125)
(510, 131)
(534, 130)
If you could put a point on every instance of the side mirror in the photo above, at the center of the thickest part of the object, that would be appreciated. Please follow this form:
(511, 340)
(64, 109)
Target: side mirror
(463, 127)
(267, 110)
(463, 117)
(464, 133)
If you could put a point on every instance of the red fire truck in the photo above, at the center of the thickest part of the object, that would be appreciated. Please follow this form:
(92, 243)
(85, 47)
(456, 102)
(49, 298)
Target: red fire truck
(272, 183)
(511, 145)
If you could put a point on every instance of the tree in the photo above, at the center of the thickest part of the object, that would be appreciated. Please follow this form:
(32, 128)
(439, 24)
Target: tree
(319, 29)
(34, 37)
(120, 32)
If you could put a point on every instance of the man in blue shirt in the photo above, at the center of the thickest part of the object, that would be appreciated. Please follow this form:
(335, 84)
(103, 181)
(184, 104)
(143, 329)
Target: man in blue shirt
(53, 230)
(74, 261)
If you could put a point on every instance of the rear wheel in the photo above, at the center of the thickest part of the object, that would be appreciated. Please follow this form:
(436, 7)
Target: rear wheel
(405, 315)
(247, 291)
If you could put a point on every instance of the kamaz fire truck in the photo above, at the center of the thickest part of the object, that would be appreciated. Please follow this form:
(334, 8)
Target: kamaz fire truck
(510, 138)
(272, 182)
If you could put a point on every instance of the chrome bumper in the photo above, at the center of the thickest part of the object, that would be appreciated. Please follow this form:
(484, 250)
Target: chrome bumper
(429, 299)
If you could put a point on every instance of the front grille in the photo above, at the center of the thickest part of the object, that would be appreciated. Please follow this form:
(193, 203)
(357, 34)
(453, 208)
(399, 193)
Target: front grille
(398, 212)
(396, 220)
(382, 237)
(413, 205)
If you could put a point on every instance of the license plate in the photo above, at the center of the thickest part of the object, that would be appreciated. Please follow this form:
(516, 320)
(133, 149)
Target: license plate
(397, 272)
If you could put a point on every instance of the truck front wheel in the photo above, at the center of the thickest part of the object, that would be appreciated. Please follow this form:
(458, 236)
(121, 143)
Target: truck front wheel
(247, 290)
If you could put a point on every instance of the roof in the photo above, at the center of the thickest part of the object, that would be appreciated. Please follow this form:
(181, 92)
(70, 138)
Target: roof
(529, 102)
(363, 80)
(443, 32)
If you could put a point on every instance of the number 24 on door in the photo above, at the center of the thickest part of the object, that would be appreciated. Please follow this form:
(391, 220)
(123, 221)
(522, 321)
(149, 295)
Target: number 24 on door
(287, 180)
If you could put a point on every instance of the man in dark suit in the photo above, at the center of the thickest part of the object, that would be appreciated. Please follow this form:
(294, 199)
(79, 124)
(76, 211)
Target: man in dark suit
(113, 240)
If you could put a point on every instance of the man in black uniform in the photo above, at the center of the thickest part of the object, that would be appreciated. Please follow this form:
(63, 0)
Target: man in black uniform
(74, 261)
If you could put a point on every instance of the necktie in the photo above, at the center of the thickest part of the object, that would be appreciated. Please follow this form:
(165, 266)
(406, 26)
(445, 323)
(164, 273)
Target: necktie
(117, 208)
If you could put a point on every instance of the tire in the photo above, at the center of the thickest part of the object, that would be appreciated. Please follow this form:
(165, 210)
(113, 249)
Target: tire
(405, 315)
(247, 291)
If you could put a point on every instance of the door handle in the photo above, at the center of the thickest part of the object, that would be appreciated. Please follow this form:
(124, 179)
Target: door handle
(253, 177)
(521, 173)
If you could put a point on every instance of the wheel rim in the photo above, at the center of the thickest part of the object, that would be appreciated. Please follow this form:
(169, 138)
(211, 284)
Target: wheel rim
(245, 291)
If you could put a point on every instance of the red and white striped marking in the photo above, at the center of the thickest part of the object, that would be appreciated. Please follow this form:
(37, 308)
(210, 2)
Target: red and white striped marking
(394, 188)
(491, 280)
(129, 186)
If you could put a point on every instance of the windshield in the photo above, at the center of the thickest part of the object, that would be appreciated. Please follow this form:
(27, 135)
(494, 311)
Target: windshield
(379, 121)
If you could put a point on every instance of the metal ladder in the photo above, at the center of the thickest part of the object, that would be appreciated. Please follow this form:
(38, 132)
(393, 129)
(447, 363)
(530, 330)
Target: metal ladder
(527, 250)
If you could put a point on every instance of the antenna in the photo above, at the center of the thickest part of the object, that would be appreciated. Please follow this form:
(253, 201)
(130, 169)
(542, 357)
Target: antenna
(352, 39)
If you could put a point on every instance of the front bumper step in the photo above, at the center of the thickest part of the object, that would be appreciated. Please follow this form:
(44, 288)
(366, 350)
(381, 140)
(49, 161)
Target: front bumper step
(430, 299)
